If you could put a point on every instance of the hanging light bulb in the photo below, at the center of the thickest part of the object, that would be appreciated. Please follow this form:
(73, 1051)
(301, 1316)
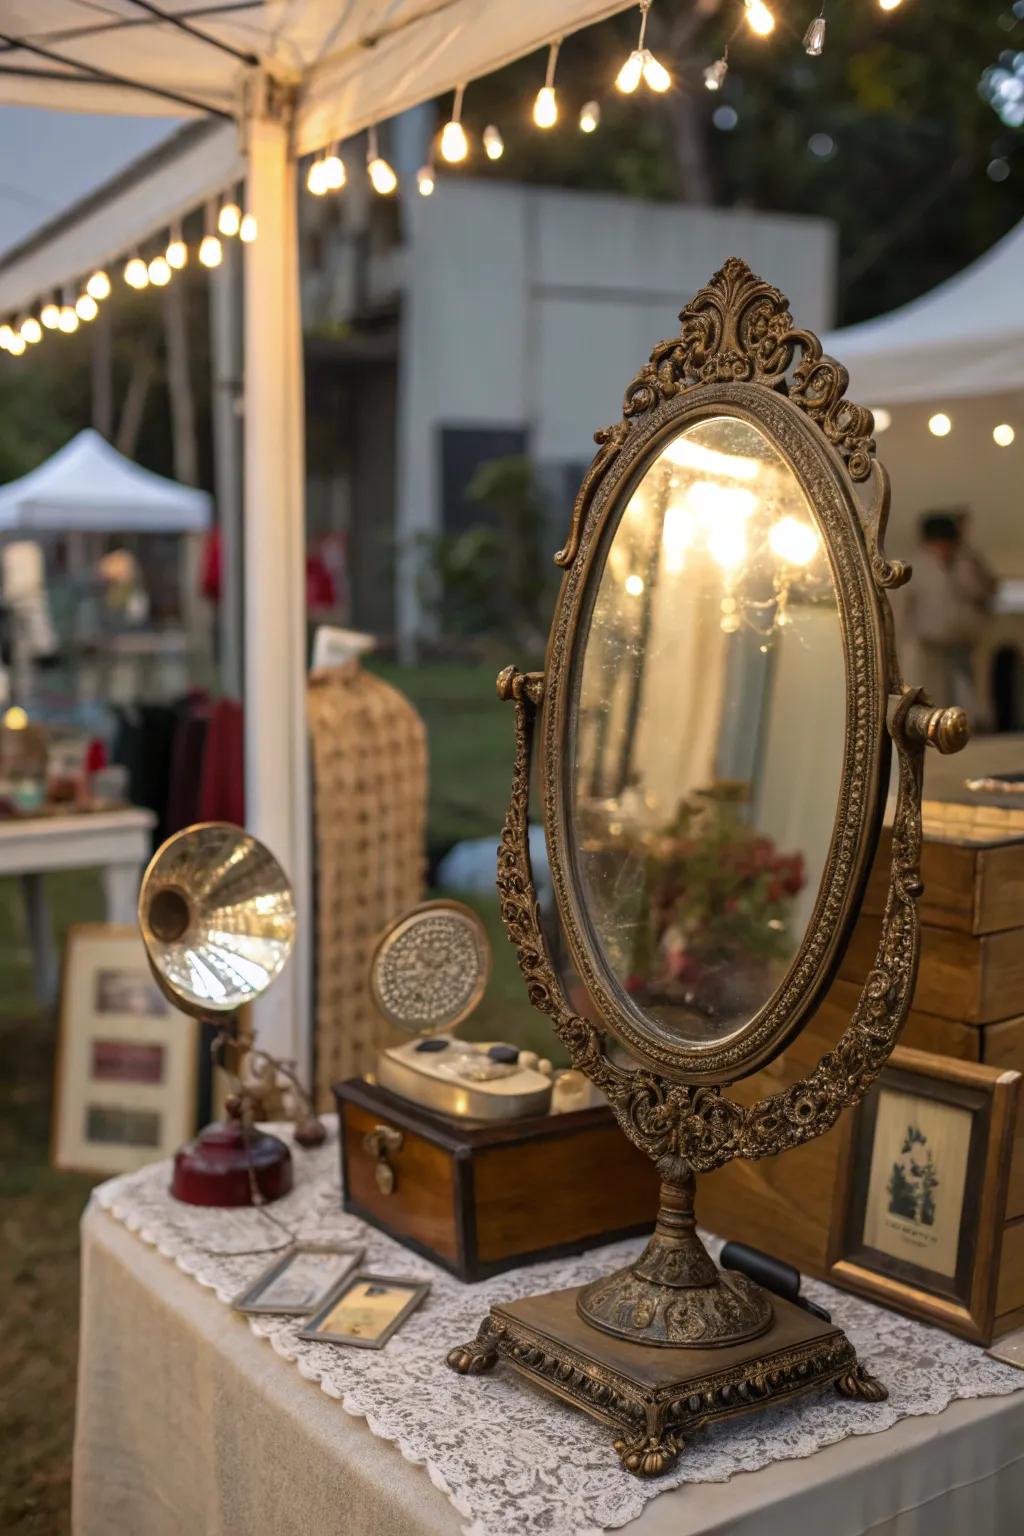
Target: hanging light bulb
(793, 541)
(98, 285)
(136, 273)
(631, 73)
(642, 65)
(656, 76)
(176, 254)
(86, 307)
(159, 272)
(714, 75)
(248, 229)
(68, 320)
(494, 144)
(50, 315)
(382, 176)
(454, 144)
(545, 106)
(16, 345)
(590, 116)
(229, 220)
(814, 37)
(889, 5)
(31, 331)
(333, 171)
(211, 252)
(759, 18)
(6, 336)
(425, 181)
(316, 180)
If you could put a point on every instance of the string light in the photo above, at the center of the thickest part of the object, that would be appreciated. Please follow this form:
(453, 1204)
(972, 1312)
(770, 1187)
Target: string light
(136, 273)
(31, 331)
(382, 176)
(86, 307)
(793, 541)
(494, 144)
(98, 286)
(425, 181)
(714, 75)
(16, 345)
(940, 424)
(6, 336)
(316, 179)
(759, 18)
(176, 254)
(814, 37)
(889, 5)
(68, 320)
(50, 315)
(211, 252)
(642, 65)
(229, 220)
(883, 419)
(159, 272)
(1002, 436)
(590, 116)
(545, 106)
(248, 229)
(454, 144)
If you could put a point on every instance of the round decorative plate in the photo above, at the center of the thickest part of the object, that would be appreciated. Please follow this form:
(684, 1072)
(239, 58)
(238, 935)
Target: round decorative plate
(430, 968)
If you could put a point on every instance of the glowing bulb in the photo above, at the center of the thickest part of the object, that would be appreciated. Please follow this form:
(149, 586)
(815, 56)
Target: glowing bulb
(425, 181)
(727, 543)
(1003, 435)
(590, 116)
(494, 144)
(86, 307)
(793, 541)
(159, 272)
(176, 254)
(634, 585)
(889, 5)
(247, 230)
(50, 316)
(98, 286)
(210, 251)
(68, 320)
(16, 345)
(759, 18)
(655, 75)
(677, 535)
(883, 420)
(316, 178)
(333, 172)
(631, 73)
(545, 107)
(136, 273)
(382, 177)
(714, 75)
(229, 220)
(15, 719)
(6, 337)
(940, 424)
(454, 144)
(814, 38)
(31, 331)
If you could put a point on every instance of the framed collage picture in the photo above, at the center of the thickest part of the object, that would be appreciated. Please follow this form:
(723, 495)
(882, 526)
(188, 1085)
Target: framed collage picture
(126, 1072)
(921, 1200)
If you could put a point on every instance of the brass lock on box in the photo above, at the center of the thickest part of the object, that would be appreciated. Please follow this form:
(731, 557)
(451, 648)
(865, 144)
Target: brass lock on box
(379, 1142)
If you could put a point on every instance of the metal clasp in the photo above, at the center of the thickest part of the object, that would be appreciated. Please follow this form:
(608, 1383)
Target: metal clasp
(379, 1142)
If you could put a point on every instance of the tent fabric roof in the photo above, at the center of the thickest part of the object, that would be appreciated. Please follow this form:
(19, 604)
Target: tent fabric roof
(353, 63)
(88, 485)
(965, 337)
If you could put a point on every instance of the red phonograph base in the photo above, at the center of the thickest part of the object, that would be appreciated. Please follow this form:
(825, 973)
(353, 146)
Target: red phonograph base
(225, 1161)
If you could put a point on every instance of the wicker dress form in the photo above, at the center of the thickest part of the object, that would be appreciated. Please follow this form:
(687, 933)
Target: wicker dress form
(369, 754)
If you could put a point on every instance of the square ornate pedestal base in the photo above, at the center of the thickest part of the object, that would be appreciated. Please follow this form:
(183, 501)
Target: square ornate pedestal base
(656, 1397)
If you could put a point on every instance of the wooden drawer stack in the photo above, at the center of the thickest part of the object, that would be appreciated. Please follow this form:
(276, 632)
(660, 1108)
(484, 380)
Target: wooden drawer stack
(969, 1003)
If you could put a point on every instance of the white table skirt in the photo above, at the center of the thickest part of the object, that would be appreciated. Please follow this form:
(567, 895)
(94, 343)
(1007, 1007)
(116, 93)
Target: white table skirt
(189, 1425)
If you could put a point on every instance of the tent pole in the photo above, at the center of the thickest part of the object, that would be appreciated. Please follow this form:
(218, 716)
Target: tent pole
(226, 359)
(276, 751)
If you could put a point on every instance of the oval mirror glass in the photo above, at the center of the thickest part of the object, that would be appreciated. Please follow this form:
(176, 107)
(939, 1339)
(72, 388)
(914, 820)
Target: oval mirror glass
(707, 733)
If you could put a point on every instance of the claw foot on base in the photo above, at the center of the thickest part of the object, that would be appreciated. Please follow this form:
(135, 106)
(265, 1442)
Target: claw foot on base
(648, 1456)
(476, 1357)
(856, 1382)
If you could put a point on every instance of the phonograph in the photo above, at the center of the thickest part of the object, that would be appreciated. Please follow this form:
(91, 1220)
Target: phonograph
(218, 922)
(716, 717)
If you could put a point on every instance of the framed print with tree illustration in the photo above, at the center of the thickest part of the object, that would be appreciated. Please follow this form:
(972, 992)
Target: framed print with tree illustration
(921, 1206)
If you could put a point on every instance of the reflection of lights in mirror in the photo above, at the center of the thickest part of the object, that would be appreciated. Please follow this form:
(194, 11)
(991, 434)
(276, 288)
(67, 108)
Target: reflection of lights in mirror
(635, 585)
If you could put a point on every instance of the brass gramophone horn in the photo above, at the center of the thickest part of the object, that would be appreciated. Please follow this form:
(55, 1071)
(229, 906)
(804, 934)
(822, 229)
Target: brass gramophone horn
(218, 921)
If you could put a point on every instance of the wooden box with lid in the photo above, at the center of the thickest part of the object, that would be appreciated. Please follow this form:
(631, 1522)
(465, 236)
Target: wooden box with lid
(482, 1199)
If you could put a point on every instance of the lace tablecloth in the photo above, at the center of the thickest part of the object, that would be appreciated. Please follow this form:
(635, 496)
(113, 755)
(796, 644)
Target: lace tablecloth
(513, 1460)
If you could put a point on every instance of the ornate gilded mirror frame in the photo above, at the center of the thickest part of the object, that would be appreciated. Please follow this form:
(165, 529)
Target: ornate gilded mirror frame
(671, 1342)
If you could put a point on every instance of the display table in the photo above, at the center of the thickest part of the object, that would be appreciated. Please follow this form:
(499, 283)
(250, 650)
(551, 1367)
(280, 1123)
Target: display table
(115, 842)
(188, 1422)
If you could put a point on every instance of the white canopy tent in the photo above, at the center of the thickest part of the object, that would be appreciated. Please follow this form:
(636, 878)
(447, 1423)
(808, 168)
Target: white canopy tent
(87, 486)
(294, 77)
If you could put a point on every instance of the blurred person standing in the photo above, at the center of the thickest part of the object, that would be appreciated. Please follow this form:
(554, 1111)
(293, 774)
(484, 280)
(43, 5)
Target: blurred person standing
(945, 609)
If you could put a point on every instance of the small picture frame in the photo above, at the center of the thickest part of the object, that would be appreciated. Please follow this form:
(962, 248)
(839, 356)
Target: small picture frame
(923, 1178)
(365, 1310)
(125, 1079)
(299, 1282)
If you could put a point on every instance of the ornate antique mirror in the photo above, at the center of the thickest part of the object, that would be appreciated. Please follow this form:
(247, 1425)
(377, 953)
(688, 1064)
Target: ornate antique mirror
(717, 711)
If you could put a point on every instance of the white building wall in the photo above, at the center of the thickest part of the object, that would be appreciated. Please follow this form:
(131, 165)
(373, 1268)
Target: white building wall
(533, 307)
